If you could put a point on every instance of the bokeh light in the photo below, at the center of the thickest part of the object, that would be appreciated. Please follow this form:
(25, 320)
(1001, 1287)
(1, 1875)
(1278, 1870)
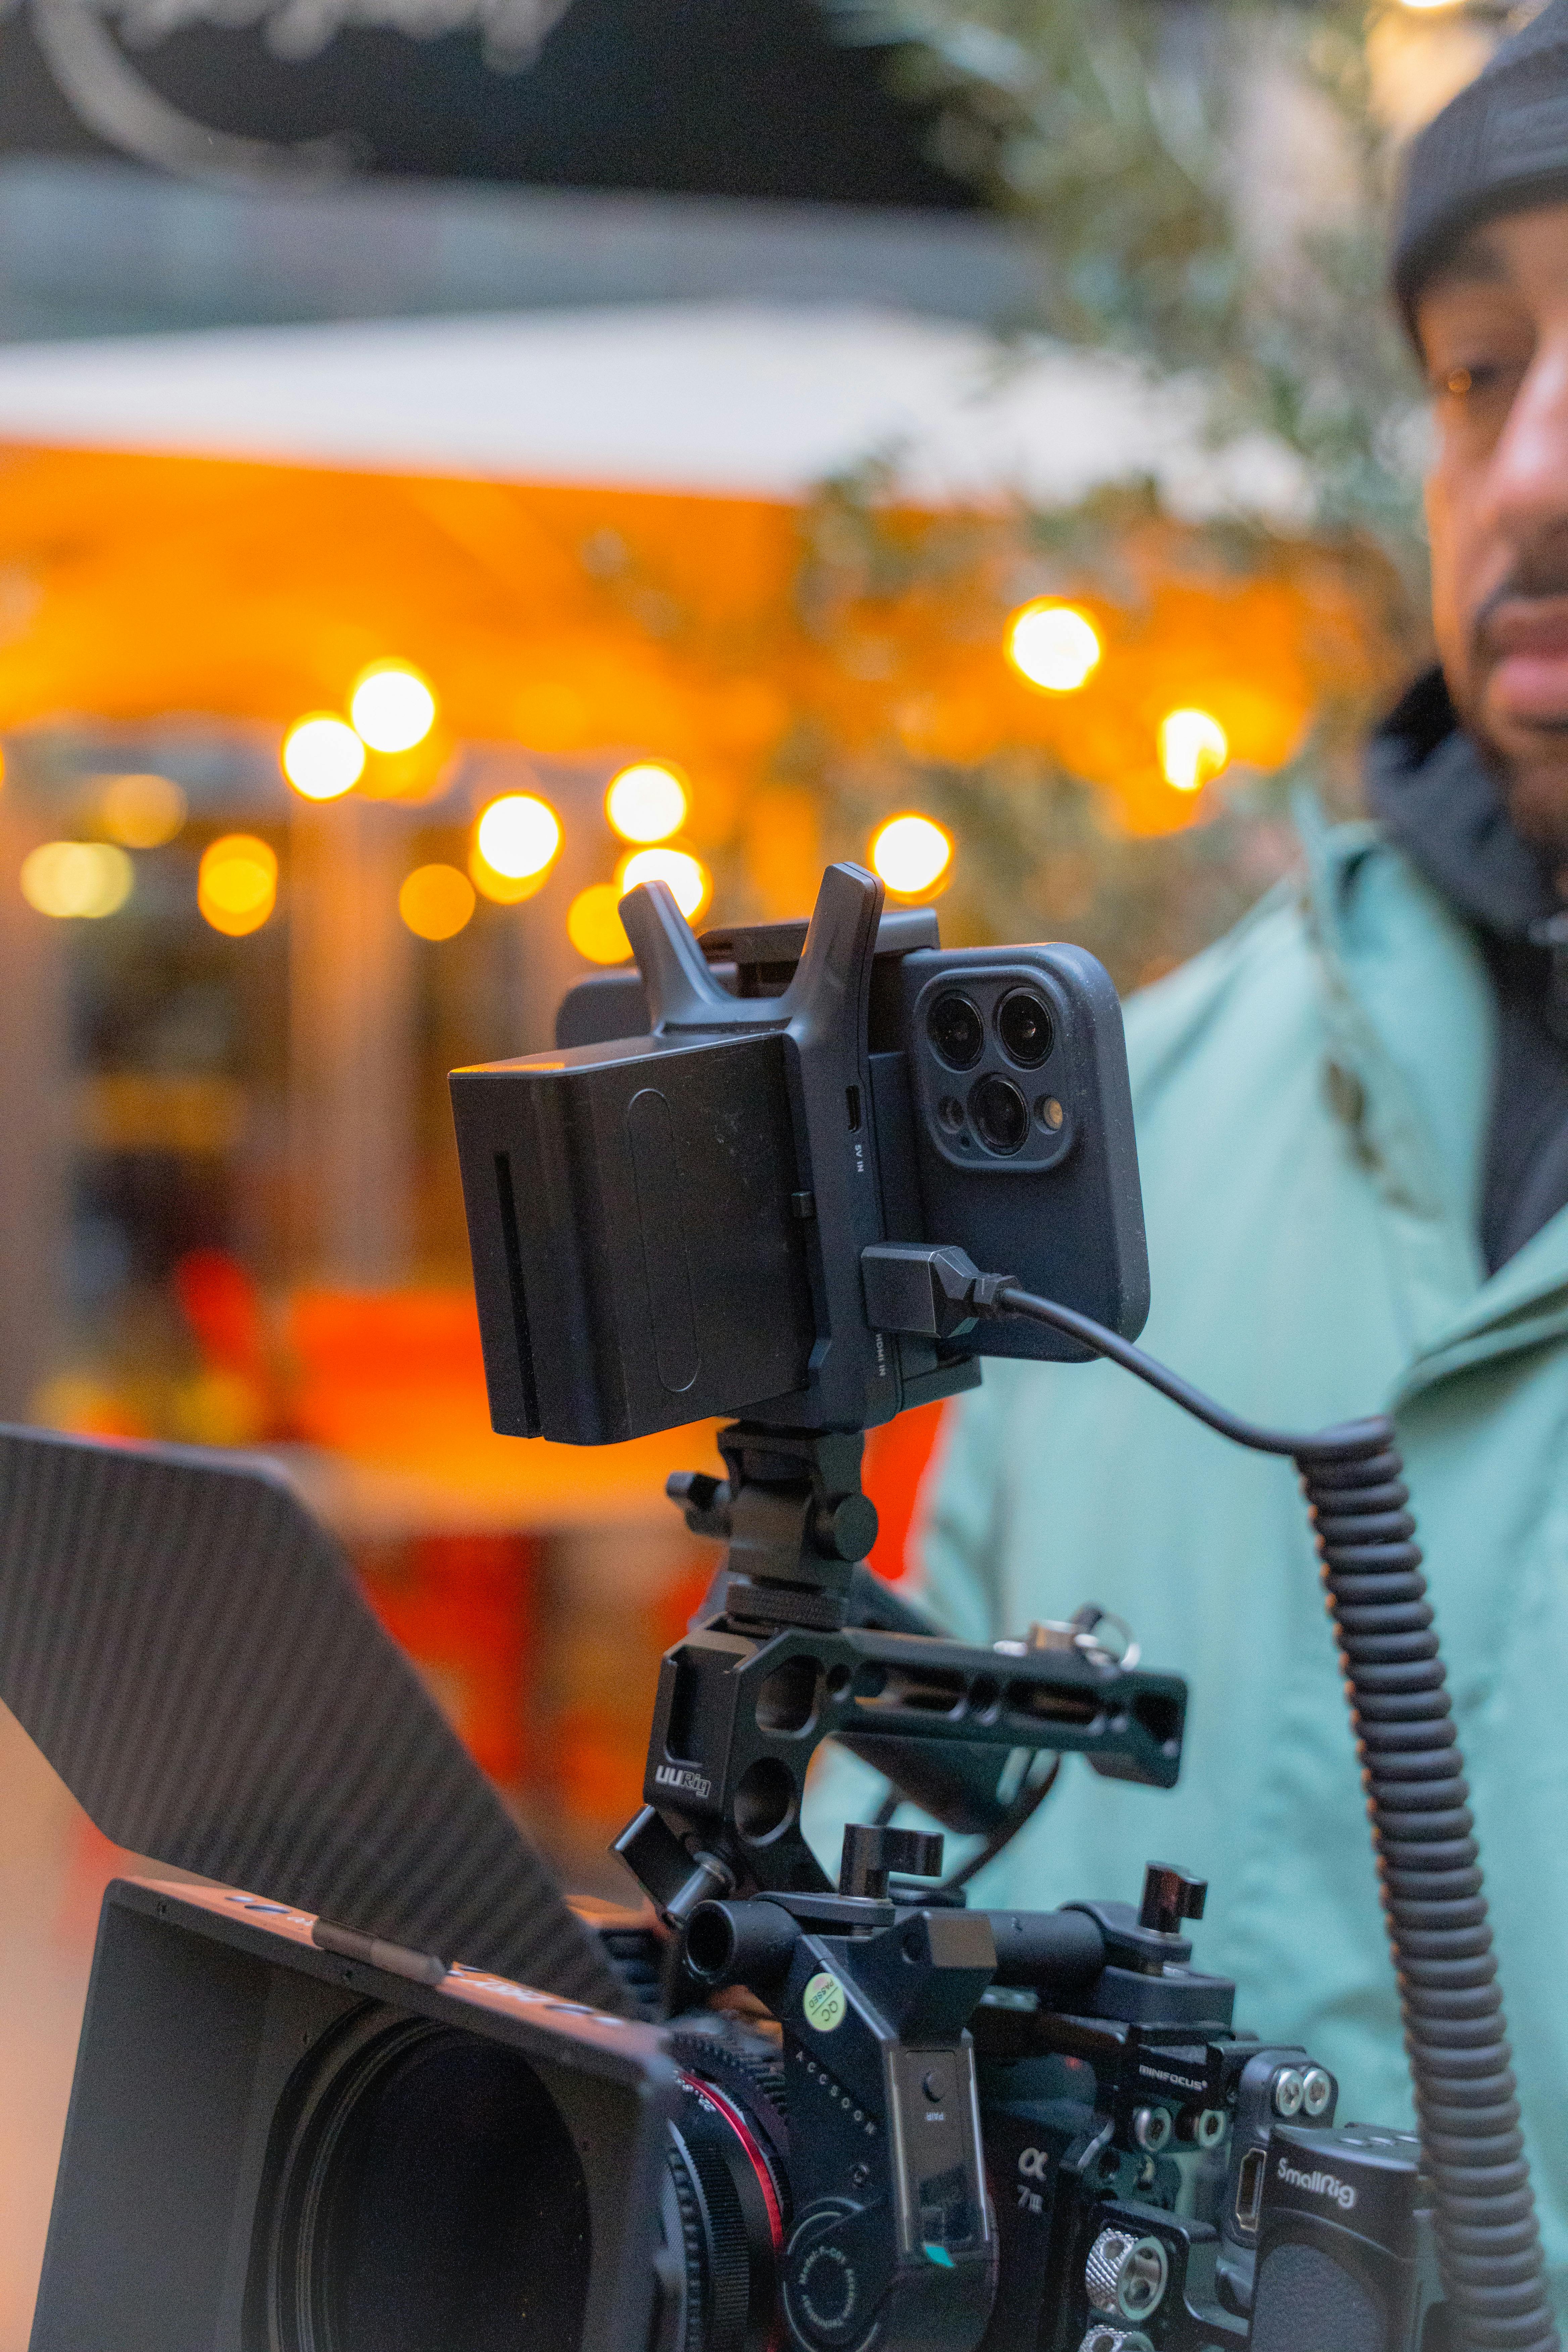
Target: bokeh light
(646, 802)
(436, 901)
(687, 876)
(518, 837)
(503, 889)
(1054, 645)
(323, 756)
(911, 854)
(88, 878)
(1193, 748)
(236, 886)
(141, 812)
(594, 927)
(391, 707)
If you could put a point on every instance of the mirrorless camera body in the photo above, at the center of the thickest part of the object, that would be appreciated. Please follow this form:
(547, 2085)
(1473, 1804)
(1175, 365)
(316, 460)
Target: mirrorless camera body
(1098, 2159)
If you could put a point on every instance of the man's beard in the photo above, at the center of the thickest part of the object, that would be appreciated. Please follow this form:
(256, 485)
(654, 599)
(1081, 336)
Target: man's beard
(1534, 791)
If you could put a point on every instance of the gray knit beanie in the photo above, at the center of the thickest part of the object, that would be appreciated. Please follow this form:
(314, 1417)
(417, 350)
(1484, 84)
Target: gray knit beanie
(1501, 144)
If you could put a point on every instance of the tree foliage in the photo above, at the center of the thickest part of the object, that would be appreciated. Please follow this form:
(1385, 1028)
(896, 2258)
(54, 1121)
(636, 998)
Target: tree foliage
(1134, 139)
(1207, 185)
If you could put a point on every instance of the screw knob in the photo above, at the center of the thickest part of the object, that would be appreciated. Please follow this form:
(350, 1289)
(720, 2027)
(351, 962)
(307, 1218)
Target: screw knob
(1126, 2276)
(871, 1853)
(1171, 1896)
(846, 1530)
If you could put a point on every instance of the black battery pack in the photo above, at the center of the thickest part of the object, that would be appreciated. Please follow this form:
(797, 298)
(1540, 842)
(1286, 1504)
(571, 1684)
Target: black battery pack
(639, 1241)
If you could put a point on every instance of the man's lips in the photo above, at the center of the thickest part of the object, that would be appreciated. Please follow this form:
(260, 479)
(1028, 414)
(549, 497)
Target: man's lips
(1523, 646)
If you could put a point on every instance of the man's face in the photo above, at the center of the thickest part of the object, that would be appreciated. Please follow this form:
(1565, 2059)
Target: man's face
(1494, 333)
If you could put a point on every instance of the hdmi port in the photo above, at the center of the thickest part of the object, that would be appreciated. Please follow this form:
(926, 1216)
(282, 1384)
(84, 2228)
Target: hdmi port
(1250, 2190)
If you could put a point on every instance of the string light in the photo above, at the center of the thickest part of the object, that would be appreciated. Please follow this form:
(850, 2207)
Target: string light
(436, 901)
(141, 812)
(686, 875)
(646, 802)
(911, 854)
(518, 835)
(391, 707)
(83, 878)
(1054, 645)
(1194, 747)
(236, 884)
(322, 757)
(594, 927)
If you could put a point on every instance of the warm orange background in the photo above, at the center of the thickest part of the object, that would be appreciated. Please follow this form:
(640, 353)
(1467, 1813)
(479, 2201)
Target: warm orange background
(707, 630)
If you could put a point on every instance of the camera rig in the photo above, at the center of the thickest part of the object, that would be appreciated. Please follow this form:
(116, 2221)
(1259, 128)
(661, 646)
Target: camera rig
(1015, 2131)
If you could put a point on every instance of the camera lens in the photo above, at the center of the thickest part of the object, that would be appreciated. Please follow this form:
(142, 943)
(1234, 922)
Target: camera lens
(725, 2213)
(1024, 1024)
(1001, 1114)
(432, 2195)
(956, 1030)
(431, 2198)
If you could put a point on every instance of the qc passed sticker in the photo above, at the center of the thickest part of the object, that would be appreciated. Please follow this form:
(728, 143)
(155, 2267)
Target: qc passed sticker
(823, 2002)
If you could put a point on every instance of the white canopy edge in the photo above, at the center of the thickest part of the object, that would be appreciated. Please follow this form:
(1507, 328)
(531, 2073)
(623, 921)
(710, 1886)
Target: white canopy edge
(724, 399)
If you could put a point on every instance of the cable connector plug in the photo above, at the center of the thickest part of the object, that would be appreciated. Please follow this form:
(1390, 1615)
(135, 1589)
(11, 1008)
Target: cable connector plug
(931, 1293)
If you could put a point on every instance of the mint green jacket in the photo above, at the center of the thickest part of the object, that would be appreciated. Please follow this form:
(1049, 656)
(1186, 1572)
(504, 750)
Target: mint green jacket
(1312, 1098)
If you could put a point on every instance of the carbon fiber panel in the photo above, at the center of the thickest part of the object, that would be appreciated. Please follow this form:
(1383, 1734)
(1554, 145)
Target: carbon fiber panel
(185, 1644)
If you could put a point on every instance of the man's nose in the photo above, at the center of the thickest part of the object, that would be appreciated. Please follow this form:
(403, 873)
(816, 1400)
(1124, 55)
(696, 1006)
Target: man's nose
(1528, 484)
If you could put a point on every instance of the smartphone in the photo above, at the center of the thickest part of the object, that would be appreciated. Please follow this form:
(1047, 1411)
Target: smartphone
(1021, 1114)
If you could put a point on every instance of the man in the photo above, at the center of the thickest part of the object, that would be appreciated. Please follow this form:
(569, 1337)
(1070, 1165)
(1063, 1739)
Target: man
(1353, 1127)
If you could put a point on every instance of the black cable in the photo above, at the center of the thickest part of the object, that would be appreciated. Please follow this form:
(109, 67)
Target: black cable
(1019, 1815)
(1427, 1859)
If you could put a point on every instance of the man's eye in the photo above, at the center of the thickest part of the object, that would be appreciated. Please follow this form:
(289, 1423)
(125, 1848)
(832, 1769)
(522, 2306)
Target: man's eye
(1480, 380)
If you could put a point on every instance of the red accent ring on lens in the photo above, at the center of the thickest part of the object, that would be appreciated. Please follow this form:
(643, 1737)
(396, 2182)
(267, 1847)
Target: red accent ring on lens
(704, 2089)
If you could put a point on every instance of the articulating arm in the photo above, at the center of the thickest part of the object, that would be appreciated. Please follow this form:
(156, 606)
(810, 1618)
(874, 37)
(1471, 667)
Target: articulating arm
(773, 1669)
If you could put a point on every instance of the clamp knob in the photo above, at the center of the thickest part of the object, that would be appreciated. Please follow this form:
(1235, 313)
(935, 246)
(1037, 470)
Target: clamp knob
(1171, 1896)
(870, 1854)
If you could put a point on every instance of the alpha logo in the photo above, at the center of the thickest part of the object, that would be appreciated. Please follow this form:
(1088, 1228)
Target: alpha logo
(1034, 2164)
(1318, 2184)
(682, 1776)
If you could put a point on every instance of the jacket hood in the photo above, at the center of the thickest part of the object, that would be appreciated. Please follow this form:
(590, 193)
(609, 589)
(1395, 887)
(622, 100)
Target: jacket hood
(1428, 789)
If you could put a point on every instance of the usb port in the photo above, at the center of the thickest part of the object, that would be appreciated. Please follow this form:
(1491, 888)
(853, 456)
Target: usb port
(852, 1105)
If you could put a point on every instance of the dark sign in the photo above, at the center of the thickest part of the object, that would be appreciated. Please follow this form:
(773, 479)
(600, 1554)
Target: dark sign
(751, 98)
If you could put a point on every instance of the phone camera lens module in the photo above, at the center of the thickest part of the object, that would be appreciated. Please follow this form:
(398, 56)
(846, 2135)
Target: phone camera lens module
(956, 1030)
(1001, 1114)
(950, 1110)
(1024, 1024)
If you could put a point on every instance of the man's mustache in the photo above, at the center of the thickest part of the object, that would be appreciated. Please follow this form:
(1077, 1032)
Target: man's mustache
(1539, 581)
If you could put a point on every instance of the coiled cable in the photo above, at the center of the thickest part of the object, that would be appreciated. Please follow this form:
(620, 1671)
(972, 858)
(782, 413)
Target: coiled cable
(1427, 1859)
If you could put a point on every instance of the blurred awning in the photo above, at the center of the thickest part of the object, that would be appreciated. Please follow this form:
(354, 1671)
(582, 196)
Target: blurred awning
(724, 400)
